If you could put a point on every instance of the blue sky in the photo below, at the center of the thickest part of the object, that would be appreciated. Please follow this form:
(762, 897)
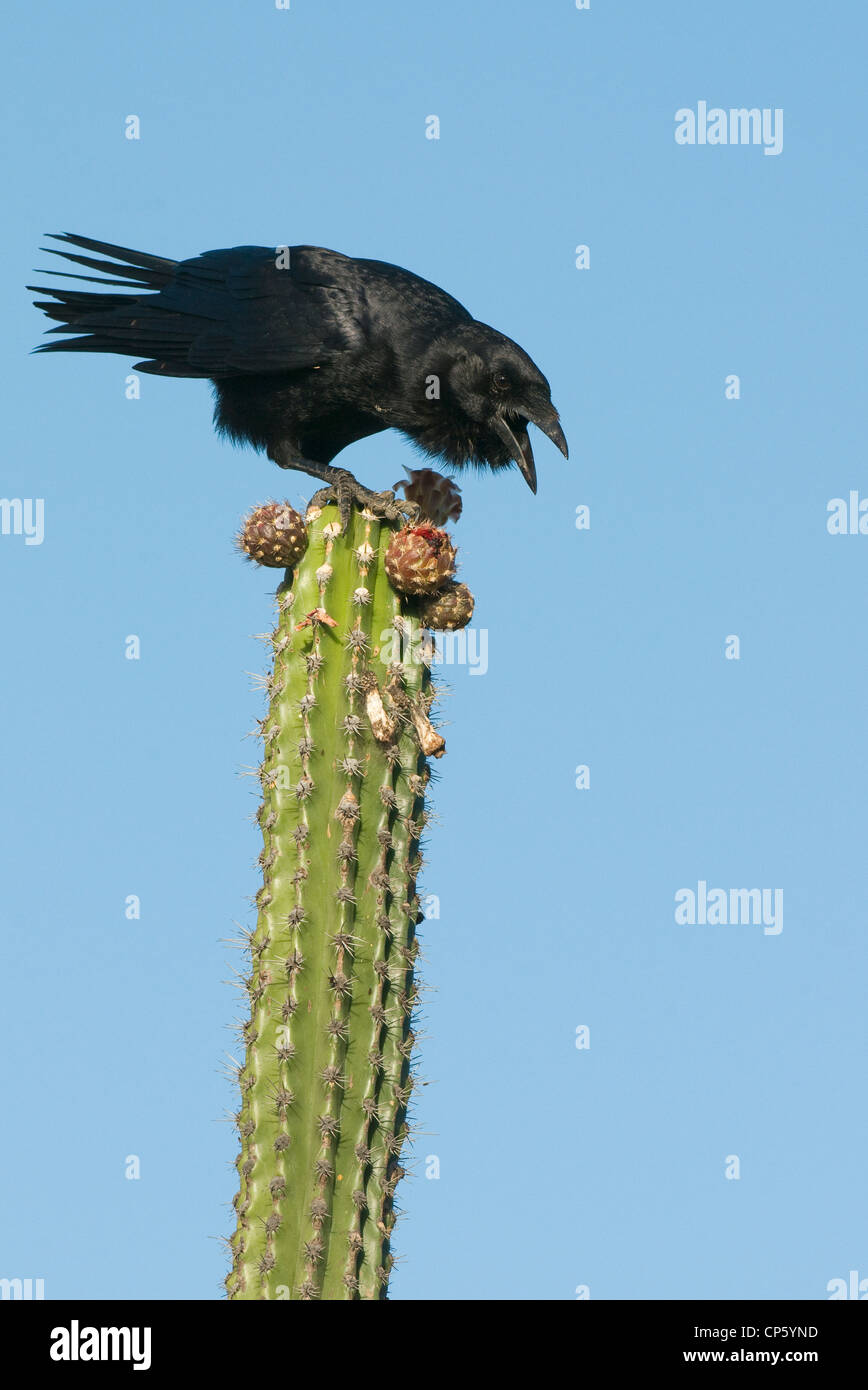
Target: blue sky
(560, 1167)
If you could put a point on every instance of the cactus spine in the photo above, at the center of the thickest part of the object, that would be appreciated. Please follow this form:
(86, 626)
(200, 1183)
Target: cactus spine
(326, 1076)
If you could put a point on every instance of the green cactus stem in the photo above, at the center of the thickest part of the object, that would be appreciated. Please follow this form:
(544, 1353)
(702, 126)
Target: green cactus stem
(326, 1077)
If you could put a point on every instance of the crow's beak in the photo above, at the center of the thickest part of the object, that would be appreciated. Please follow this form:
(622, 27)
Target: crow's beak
(515, 437)
(547, 421)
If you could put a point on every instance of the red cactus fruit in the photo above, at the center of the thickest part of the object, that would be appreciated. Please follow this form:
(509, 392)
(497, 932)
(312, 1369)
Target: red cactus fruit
(419, 560)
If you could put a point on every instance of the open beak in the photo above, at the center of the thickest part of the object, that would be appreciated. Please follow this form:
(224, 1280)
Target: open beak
(515, 437)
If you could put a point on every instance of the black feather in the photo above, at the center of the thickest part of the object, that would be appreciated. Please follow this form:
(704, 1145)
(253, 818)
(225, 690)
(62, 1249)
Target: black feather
(309, 349)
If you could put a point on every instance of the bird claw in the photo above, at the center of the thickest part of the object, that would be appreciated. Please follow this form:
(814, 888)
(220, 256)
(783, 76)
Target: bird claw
(340, 493)
(392, 508)
(411, 512)
(347, 491)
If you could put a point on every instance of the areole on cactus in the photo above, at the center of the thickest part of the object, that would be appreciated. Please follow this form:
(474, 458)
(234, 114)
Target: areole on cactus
(326, 1078)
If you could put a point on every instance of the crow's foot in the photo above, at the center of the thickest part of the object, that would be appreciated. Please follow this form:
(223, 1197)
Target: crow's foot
(348, 492)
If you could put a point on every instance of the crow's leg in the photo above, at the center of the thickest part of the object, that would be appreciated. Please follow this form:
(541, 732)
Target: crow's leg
(348, 492)
(343, 488)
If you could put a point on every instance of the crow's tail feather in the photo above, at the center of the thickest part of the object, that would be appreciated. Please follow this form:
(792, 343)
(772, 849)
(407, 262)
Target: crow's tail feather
(149, 272)
(130, 324)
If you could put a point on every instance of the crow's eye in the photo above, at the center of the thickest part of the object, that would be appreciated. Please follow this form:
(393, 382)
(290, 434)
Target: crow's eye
(500, 381)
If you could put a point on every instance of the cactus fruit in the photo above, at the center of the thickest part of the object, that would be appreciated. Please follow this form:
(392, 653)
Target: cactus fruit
(419, 560)
(438, 498)
(448, 610)
(325, 1082)
(273, 535)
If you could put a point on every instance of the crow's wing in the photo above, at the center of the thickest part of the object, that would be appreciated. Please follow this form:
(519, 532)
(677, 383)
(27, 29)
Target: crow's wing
(224, 313)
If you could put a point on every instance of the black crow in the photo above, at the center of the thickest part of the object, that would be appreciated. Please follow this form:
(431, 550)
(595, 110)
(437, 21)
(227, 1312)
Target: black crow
(309, 350)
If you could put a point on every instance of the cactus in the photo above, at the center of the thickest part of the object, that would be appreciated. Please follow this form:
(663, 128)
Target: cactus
(326, 1079)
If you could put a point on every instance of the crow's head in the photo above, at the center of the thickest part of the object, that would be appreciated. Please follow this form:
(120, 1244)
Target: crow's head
(482, 391)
